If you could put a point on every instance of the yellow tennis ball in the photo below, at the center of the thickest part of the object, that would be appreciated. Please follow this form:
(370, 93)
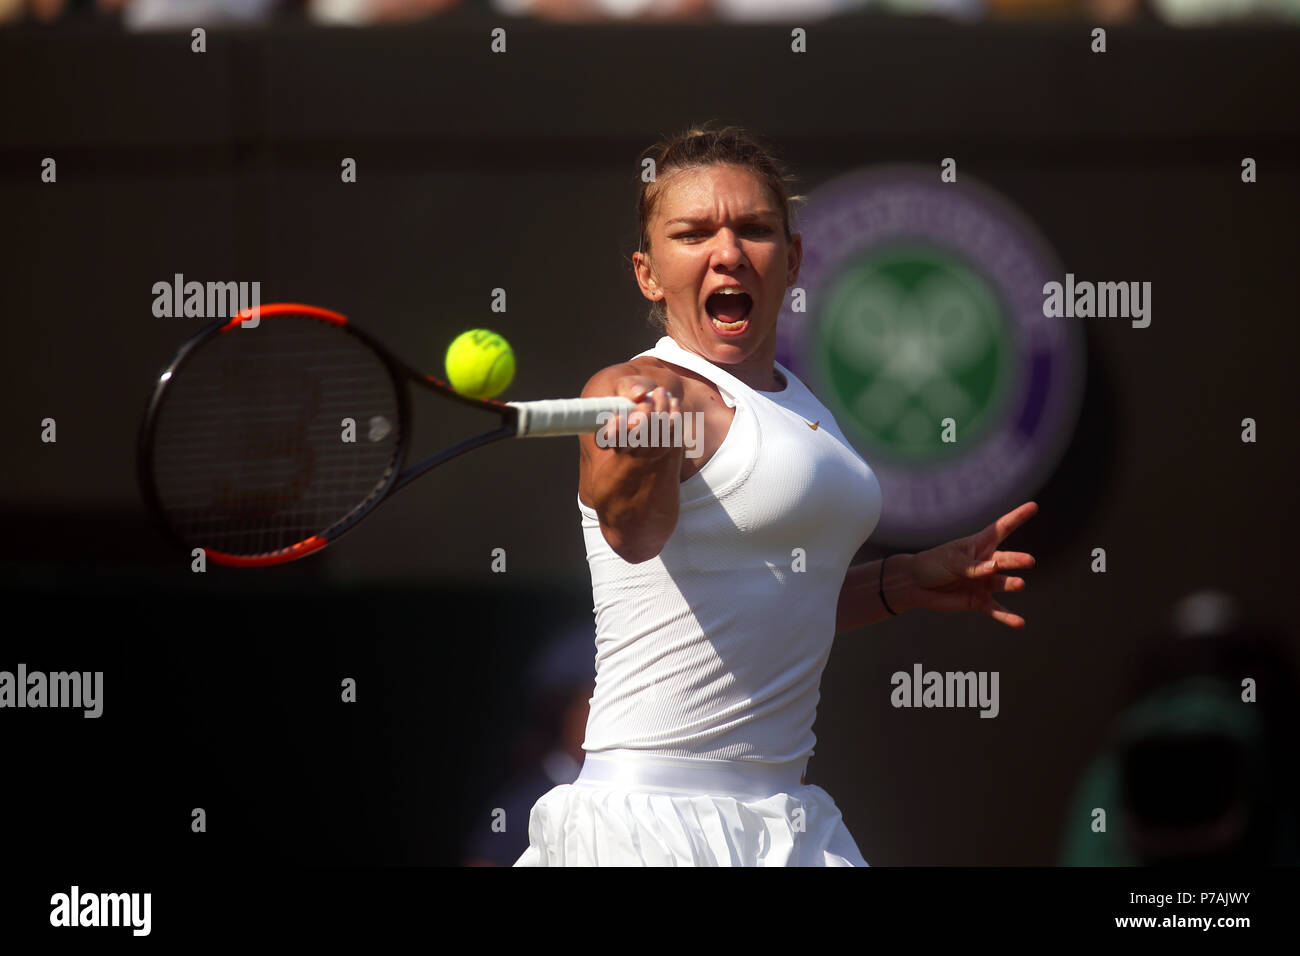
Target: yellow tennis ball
(480, 364)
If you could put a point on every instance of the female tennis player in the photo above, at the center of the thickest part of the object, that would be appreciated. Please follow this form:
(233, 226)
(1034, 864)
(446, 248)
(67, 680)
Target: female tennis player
(720, 581)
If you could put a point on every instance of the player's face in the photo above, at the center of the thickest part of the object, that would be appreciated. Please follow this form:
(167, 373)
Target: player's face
(715, 227)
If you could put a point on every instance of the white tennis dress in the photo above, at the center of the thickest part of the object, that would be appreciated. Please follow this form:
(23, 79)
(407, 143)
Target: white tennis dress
(709, 656)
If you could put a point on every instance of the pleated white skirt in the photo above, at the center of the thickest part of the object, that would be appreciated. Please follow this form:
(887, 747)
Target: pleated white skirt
(632, 809)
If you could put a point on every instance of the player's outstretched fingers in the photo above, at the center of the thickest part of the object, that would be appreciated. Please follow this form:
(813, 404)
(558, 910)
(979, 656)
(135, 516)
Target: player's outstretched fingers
(1005, 582)
(1006, 617)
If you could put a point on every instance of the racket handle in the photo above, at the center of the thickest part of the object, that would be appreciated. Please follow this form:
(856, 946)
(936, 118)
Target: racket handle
(567, 416)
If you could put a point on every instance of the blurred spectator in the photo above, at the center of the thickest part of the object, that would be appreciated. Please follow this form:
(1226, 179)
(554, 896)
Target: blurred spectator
(361, 12)
(1185, 13)
(549, 751)
(790, 11)
(953, 9)
(145, 14)
(1117, 11)
(577, 11)
(1033, 9)
(1191, 772)
(186, 14)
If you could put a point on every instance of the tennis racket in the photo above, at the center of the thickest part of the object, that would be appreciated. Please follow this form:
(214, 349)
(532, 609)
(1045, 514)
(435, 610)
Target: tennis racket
(242, 450)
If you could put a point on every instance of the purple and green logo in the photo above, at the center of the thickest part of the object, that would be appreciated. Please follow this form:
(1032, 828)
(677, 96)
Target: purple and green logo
(924, 335)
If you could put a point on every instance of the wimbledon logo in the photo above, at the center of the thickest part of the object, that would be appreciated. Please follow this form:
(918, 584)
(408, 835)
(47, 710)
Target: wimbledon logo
(925, 303)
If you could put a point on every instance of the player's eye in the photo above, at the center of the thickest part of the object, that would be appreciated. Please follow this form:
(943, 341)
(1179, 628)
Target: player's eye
(753, 230)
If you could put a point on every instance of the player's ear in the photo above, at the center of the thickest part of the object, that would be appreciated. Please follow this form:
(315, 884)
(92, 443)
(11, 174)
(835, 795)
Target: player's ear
(794, 258)
(645, 277)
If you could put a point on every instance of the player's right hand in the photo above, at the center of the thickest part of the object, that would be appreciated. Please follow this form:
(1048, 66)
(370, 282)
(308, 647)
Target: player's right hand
(652, 400)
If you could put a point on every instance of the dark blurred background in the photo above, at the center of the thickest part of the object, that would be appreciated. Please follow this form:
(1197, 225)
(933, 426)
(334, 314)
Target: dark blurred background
(479, 171)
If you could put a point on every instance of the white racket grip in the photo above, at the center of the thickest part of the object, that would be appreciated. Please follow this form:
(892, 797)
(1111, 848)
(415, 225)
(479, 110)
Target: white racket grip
(567, 416)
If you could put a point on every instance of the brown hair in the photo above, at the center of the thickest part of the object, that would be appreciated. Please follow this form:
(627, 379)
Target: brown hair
(700, 147)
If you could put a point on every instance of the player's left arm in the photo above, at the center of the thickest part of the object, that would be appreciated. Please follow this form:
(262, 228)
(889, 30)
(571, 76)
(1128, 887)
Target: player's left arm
(860, 604)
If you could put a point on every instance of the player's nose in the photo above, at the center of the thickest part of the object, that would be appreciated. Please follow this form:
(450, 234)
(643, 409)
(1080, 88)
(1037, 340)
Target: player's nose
(726, 249)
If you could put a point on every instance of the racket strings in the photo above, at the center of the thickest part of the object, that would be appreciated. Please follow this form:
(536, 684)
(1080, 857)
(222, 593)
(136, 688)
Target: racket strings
(250, 455)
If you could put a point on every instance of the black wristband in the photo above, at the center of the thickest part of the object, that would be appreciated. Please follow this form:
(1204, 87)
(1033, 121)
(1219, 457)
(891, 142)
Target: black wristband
(882, 586)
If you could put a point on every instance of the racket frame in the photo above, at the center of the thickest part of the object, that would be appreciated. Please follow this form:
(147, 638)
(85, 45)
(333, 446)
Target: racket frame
(401, 376)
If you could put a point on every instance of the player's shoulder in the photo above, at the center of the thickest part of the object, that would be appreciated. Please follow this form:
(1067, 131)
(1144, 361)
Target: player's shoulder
(647, 366)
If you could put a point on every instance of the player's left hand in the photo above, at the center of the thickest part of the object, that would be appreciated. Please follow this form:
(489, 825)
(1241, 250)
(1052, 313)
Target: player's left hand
(963, 575)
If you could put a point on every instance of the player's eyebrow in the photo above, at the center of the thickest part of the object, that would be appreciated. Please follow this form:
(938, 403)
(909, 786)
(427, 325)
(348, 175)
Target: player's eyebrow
(706, 219)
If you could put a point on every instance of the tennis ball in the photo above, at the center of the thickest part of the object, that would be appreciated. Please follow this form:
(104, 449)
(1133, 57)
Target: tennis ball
(480, 364)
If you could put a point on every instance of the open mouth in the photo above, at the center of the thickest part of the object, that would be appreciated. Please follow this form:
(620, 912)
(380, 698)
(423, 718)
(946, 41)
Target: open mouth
(729, 311)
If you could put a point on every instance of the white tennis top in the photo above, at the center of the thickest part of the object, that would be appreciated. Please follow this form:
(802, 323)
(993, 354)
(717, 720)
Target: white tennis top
(715, 648)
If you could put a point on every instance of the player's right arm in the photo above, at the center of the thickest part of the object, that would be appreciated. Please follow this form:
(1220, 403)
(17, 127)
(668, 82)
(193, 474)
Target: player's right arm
(634, 491)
